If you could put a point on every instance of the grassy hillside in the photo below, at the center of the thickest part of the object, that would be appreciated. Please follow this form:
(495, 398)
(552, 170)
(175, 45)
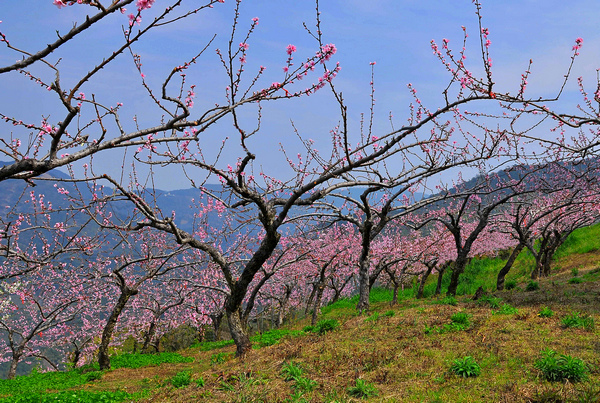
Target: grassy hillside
(537, 342)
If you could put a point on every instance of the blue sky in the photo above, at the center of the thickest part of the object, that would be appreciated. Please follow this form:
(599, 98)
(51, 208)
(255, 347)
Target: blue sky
(396, 34)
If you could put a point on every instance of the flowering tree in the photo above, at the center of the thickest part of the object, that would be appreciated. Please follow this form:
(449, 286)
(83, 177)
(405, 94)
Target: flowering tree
(259, 205)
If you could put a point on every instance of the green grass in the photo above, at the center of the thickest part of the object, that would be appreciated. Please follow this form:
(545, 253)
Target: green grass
(35, 384)
(79, 396)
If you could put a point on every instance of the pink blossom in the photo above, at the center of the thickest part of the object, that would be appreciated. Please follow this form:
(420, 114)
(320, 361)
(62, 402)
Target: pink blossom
(59, 3)
(254, 20)
(144, 4)
(290, 49)
(244, 46)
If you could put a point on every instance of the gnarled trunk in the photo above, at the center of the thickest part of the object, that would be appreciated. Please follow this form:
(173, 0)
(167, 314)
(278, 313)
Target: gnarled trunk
(239, 332)
(103, 358)
(504, 271)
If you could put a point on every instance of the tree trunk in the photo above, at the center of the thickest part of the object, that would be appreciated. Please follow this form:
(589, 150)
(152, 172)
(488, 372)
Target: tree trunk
(239, 332)
(148, 338)
(504, 271)
(459, 267)
(310, 299)
(363, 285)
(103, 358)
(423, 280)
(315, 314)
(438, 287)
(395, 294)
(216, 324)
(12, 371)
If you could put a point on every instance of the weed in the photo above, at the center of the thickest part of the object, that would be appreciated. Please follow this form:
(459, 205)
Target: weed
(449, 300)
(575, 280)
(506, 309)
(362, 389)
(575, 272)
(305, 384)
(532, 286)
(137, 360)
(578, 320)
(219, 358)
(466, 367)
(93, 376)
(326, 325)
(461, 318)
(510, 284)
(373, 318)
(297, 397)
(492, 302)
(200, 382)
(273, 336)
(291, 371)
(546, 313)
(389, 314)
(559, 367)
(181, 379)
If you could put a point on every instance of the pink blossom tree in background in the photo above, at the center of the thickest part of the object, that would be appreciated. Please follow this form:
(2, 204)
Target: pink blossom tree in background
(234, 253)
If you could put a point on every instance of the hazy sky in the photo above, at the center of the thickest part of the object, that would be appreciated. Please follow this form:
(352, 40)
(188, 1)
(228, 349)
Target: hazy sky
(395, 34)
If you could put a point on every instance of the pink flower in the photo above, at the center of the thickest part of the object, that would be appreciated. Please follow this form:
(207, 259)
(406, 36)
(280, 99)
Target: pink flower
(144, 4)
(244, 46)
(290, 49)
(59, 3)
(254, 20)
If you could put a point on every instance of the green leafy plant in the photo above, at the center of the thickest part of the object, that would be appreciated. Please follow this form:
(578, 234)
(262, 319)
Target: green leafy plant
(532, 286)
(389, 314)
(492, 302)
(137, 360)
(93, 376)
(546, 312)
(362, 389)
(291, 371)
(449, 300)
(575, 280)
(373, 318)
(304, 384)
(326, 325)
(181, 379)
(273, 336)
(559, 367)
(510, 284)
(575, 272)
(506, 309)
(461, 318)
(466, 367)
(578, 320)
(200, 382)
(219, 358)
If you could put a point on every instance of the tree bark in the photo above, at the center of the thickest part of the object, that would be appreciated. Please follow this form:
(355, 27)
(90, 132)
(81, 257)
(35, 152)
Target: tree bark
(103, 357)
(12, 371)
(315, 314)
(441, 271)
(238, 332)
(148, 338)
(424, 279)
(509, 263)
